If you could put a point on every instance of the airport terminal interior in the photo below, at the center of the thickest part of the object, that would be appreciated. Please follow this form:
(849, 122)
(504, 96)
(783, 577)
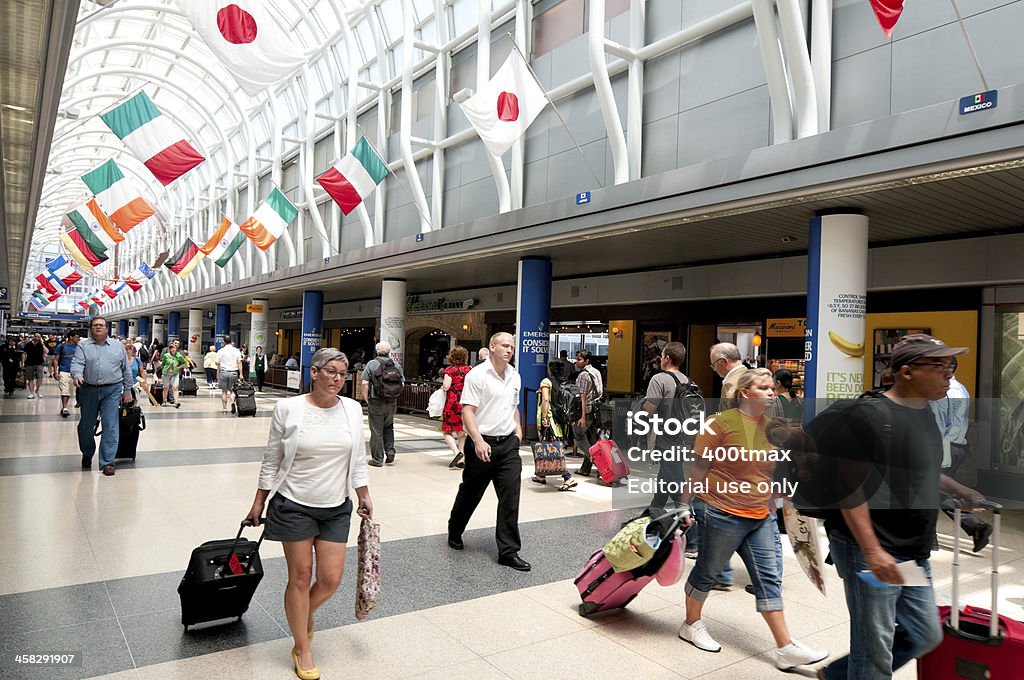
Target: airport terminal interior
(806, 180)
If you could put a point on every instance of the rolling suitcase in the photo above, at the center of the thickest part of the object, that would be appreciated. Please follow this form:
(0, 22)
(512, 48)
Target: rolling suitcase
(609, 461)
(245, 399)
(977, 643)
(187, 385)
(221, 579)
(601, 588)
(131, 422)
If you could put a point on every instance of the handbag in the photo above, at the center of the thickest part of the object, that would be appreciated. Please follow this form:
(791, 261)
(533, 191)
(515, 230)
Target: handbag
(630, 548)
(368, 568)
(435, 405)
(548, 457)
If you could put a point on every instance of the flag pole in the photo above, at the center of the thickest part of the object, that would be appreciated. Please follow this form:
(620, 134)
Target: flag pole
(408, 192)
(970, 45)
(557, 112)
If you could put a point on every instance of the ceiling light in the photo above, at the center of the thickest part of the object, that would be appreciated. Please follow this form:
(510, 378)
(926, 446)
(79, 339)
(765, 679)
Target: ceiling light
(13, 107)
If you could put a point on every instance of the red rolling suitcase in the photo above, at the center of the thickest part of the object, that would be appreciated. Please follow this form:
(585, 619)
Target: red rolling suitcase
(977, 643)
(609, 461)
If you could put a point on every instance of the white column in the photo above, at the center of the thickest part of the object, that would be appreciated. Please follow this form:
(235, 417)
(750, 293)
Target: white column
(195, 330)
(392, 317)
(159, 330)
(259, 309)
(133, 329)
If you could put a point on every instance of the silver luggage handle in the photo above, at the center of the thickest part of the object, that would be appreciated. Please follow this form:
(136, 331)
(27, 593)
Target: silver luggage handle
(954, 616)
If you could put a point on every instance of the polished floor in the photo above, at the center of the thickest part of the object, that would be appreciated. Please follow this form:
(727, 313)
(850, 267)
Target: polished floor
(89, 565)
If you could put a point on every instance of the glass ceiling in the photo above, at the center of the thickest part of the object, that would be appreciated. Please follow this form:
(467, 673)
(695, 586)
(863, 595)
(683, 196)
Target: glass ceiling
(121, 47)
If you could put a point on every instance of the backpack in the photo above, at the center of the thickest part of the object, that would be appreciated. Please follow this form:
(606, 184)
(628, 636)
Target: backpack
(687, 403)
(388, 380)
(596, 381)
(817, 493)
(568, 404)
(144, 354)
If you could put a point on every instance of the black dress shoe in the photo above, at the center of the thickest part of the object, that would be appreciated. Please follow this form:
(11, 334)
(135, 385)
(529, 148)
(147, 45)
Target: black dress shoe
(455, 543)
(376, 463)
(981, 536)
(514, 561)
(86, 462)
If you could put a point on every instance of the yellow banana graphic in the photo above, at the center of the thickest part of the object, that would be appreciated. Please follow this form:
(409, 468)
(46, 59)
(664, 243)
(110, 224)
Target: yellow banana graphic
(845, 346)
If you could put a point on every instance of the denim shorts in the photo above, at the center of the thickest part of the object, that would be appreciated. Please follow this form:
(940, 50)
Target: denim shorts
(723, 534)
(288, 521)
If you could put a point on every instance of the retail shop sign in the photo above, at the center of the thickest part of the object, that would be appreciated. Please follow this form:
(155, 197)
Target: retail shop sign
(292, 314)
(982, 101)
(3, 293)
(254, 309)
(583, 197)
(786, 328)
(413, 305)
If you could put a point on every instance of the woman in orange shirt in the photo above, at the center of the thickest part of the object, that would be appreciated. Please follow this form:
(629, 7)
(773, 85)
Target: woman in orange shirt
(735, 467)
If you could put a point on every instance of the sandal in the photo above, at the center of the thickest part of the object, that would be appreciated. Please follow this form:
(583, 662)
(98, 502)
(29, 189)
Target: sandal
(569, 486)
(539, 480)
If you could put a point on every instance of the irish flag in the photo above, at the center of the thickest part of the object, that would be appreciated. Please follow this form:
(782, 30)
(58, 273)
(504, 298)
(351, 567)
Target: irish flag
(63, 271)
(117, 196)
(185, 260)
(94, 225)
(355, 176)
(270, 219)
(80, 251)
(225, 241)
(153, 138)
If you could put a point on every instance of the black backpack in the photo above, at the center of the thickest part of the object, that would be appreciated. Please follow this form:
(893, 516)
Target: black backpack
(687, 403)
(388, 380)
(818, 474)
(144, 354)
(568, 404)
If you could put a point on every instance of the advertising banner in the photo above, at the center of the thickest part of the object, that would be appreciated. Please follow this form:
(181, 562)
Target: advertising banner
(533, 321)
(312, 331)
(392, 318)
(195, 336)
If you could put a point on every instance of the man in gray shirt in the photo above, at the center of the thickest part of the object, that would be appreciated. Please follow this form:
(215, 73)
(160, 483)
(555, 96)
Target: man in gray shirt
(101, 369)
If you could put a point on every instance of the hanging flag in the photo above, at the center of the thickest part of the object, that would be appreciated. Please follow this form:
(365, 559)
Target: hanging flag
(355, 176)
(88, 218)
(888, 13)
(270, 219)
(98, 298)
(146, 270)
(46, 284)
(80, 251)
(132, 282)
(85, 302)
(39, 299)
(153, 137)
(224, 243)
(139, 276)
(109, 291)
(503, 108)
(246, 39)
(117, 196)
(185, 260)
(63, 271)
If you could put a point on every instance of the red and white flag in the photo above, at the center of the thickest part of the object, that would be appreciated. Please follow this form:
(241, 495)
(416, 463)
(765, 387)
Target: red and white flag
(888, 13)
(246, 39)
(503, 108)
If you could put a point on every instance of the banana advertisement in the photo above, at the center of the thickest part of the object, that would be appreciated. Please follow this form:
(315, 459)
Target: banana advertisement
(837, 292)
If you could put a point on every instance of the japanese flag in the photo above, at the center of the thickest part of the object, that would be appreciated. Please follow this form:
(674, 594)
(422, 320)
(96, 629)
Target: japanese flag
(503, 108)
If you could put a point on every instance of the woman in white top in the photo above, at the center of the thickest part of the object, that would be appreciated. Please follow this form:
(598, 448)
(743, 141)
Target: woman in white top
(315, 454)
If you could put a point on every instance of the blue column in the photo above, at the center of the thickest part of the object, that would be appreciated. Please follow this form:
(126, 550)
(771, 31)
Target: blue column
(533, 320)
(145, 326)
(312, 331)
(222, 324)
(122, 328)
(834, 344)
(173, 326)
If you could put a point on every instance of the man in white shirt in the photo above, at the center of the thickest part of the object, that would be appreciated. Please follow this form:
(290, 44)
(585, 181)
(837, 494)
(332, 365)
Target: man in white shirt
(228, 362)
(725, 361)
(490, 415)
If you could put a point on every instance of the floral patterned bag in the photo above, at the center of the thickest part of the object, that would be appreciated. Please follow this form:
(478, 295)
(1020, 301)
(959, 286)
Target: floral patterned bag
(368, 576)
(548, 457)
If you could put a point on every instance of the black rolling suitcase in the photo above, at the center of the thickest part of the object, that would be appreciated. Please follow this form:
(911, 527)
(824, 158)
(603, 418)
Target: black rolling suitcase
(221, 579)
(131, 422)
(187, 385)
(245, 399)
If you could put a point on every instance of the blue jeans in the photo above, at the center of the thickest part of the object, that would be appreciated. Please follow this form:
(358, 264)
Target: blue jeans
(693, 538)
(754, 539)
(104, 402)
(877, 646)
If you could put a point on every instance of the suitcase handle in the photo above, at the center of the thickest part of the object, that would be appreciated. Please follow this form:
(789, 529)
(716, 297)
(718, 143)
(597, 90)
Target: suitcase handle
(954, 616)
(241, 527)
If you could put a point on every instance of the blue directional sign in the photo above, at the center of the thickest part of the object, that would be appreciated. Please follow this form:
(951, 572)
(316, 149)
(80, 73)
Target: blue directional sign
(979, 102)
(582, 197)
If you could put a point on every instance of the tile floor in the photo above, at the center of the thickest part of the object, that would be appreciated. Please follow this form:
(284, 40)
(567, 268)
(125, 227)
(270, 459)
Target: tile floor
(90, 564)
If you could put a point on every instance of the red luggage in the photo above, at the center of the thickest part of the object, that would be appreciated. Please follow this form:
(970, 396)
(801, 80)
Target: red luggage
(609, 461)
(976, 643)
(601, 588)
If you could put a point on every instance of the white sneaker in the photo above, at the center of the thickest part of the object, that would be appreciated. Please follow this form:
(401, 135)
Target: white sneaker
(698, 636)
(31, 396)
(797, 653)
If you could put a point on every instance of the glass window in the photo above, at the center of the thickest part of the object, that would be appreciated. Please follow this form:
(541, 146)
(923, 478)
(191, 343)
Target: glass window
(426, 92)
(465, 14)
(613, 8)
(389, 13)
(557, 26)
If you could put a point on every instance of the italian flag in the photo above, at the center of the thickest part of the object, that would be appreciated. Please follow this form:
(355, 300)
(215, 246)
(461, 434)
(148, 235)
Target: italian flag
(80, 251)
(224, 243)
(63, 271)
(355, 176)
(185, 260)
(270, 219)
(117, 195)
(153, 138)
(89, 219)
